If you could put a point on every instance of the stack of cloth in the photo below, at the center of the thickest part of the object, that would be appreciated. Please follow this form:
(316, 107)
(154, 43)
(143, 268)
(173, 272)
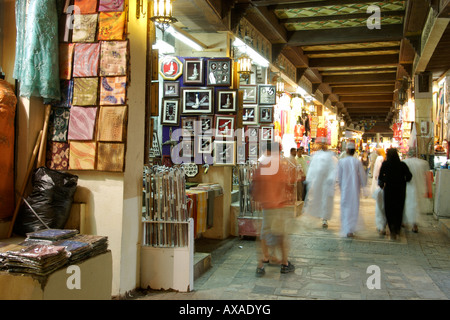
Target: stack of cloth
(97, 244)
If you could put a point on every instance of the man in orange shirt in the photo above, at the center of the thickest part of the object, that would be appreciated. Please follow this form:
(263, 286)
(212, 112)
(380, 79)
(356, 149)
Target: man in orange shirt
(270, 183)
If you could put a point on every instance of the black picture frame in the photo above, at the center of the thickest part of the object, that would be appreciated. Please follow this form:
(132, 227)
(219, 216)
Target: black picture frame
(204, 144)
(227, 101)
(250, 93)
(197, 100)
(267, 94)
(206, 125)
(218, 72)
(170, 112)
(252, 132)
(171, 89)
(224, 152)
(266, 114)
(188, 126)
(193, 71)
(224, 126)
(267, 133)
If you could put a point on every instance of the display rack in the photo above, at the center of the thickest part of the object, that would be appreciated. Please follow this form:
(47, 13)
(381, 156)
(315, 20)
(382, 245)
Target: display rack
(167, 251)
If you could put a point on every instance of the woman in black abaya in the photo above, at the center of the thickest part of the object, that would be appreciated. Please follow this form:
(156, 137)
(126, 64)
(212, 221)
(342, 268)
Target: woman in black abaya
(392, 179)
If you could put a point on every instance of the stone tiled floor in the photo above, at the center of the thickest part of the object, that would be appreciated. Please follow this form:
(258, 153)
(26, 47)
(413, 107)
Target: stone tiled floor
(417, 266)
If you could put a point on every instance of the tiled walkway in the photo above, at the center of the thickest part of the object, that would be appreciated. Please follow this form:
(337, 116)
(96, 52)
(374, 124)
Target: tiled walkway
(417, 266)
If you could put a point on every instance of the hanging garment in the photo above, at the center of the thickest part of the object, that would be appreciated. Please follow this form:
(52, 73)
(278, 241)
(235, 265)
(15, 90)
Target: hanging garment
(110, 5)
(351, 177)
(111, 25)
(36, 66)
(58, 155)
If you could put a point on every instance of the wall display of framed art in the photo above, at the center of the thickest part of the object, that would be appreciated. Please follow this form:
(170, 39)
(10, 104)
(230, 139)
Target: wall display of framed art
(206, 124)
(224, 152)
(240, 153)
(227, 101)
(188, 126)
(253, 148)
(193, 71)
(224, 126)
(170, 68)
(267, 94)
(171, 89)
(250, 114)
(155, 150)
(250, 93)
(187, 148)
(218, 72)
(265, 114)
(197, 100)
(170, 112)
(204, 144)
(267, 133)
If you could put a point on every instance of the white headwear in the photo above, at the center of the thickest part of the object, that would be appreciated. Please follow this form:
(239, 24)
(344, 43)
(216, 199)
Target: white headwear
(350, 145)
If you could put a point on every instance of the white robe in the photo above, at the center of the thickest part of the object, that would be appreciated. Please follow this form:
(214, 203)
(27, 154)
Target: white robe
(351, 178)
(377, 194)
(415, 200)
(320, 184)
(376, 173)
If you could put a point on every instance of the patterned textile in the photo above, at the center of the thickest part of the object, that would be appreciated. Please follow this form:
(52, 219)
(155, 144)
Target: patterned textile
(84, 27)
(111, 25)
(65, 60)
(111, 5)
(82, 123)
(112, 123)
(111, 156)
(82, 155)
(58, 124)
(113, 90)
(66, 95)
(113, 58)
(36, 64)
(58, 155)
(85, 60)
(86, 6)
(85, 91)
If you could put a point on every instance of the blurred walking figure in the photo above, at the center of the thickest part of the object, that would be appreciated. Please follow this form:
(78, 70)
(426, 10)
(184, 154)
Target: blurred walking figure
(394, 174)
(351, 178)
(365, 161)
(377, 193)
(373, 157)
(416, 189)
(302, 160)
(320, 184)
(270, 182)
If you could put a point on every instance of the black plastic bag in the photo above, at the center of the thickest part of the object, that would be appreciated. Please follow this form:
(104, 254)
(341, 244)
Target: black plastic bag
(51, 198)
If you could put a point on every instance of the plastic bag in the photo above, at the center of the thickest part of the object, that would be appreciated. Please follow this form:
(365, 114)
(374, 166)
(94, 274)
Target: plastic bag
(51, 198)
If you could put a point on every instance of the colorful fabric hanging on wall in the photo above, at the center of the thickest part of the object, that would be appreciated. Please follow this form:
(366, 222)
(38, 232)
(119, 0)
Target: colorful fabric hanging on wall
(84, 27)
(113, 90)
(111, 25)
(58, 155)
(66, 95)
(111, 156)
(113, 58)
(112, 123)
(86, 6)
(36, 64)
(110, 5)
(82, 155)
(82, 123)
(65, 60)
(85, 91)
(58, 124)
(85, 60)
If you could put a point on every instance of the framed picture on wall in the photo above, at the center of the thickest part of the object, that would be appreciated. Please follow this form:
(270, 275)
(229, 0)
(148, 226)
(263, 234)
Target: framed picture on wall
(171, 89)
(224, 126)
(188, 126)
(265, 114)
(226, 101)
(267, 94)
(240, 153)
(218, 72)
(170, 68)
(205, 144)
(170, 112)
(224, 153)
(252, 133)
(253, 148)
(187, 147)
(197, 100)
(250, 93)
(206, 124)
(266, 133)
(193, 71)
(250, 114)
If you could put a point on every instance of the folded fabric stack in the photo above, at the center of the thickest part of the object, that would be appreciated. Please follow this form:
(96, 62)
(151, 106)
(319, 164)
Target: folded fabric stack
(78, 251)
(36, 259)
(4, 248)
(99, 244)
(52, 234)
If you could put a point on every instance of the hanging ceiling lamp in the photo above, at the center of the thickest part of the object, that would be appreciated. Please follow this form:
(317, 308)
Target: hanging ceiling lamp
(245, 66)
(162, 14)
(280, 86)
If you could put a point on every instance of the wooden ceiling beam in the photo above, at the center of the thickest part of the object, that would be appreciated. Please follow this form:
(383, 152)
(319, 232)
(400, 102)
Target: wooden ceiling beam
(345, 35)
(368, 98)
(361, 78)
(363, 90)
(376, 60)
(368, 105)
(356, 50)
(286, 5)
(271, 20)
(341, 17)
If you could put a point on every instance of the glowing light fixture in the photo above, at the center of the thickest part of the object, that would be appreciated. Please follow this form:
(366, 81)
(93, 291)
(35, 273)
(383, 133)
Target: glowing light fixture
(162, 14)
(245, 66)
(194, 45)
(280, 86)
